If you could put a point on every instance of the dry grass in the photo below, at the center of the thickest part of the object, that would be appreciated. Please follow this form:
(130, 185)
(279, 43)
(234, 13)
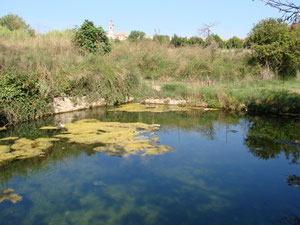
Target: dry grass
(56, 68)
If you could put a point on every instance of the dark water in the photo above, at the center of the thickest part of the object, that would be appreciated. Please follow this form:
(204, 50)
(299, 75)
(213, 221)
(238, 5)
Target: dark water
(225, 169)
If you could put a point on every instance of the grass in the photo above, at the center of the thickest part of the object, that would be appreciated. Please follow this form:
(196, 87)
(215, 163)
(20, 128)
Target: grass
(260, 96)
(50, 66)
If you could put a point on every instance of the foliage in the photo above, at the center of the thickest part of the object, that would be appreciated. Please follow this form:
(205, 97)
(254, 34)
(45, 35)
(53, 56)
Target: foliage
(215, 38)
(52, 67)
(15, 22)
(267, 138)
(177, 41)
(20, 97)
(91, 39)
(276, 46)
(161, 38)
(258, 97)
(235, 42)
(196, 41)
(136, 35)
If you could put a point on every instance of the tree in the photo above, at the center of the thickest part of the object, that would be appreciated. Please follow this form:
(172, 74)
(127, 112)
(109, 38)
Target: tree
(206, 30)
(196, 41)
(91, 39)
(234, 42)
(177, 41)
(290, 10)
(276, 45)
(136, 35)
(15, 22)
(215, 38)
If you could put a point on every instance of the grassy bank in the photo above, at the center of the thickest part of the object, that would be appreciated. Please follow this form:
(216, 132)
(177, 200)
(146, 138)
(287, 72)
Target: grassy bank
(254, 96)
(34, 70)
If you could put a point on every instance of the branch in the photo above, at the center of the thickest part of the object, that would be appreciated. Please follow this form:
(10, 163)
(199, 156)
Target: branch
(289, 9)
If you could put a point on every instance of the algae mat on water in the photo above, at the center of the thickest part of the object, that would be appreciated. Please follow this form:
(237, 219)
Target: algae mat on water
(24, 148)
(156, 108)
(148, 108)
(9, 196)
(113, 137)
(116, 138)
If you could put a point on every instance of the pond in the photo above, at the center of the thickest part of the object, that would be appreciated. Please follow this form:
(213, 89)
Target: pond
(214, 168)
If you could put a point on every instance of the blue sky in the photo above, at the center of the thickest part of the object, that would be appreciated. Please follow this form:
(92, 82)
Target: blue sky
(185, 18)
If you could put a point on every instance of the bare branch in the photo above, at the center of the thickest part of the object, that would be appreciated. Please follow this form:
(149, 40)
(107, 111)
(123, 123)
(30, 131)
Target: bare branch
(289, 9)
(205, 30)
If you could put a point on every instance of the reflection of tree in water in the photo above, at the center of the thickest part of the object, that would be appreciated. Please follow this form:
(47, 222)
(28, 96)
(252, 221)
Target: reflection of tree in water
(268, 138)
(290, 220)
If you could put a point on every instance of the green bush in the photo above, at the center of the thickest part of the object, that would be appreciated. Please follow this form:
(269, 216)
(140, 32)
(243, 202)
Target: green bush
(175, 90)
(14, 22)
(196, 41)
(215, 38)
(161, 38)
(91, 39)
(234, 42)
(276, 46)
(20, 97)
(136, 35)
(177, 41)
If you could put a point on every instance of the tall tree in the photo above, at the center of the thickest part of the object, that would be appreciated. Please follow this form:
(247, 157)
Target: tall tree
(276, 46)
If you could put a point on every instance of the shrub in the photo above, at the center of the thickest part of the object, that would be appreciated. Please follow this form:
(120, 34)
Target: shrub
(161, 38)
(196, 41)
(276, 46)
(234, 42)
(215, 38)
(91, 39)
(177, 41)
(20, 97)
(15, 22)
(136, 35)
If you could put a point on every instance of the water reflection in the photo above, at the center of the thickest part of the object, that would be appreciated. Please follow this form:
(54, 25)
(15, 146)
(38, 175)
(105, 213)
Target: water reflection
(267, 139)
(215, 174)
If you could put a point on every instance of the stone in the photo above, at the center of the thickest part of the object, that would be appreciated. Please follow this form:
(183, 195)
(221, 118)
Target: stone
(62, 105)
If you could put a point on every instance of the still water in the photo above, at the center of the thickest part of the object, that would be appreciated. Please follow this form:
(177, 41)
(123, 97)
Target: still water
(225, 169)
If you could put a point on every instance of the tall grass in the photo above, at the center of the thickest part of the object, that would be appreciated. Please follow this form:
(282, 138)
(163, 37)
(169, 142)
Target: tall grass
(56, 68)
(162, 62)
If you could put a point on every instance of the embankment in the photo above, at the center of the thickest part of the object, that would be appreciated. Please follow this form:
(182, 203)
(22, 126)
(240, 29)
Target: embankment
(37, 70)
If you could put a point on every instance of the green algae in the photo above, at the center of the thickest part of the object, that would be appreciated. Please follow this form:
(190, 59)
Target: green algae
(133, 107)
(24, 148)
(49, 128)
(4, 149)
(9, 139)
(2, 128)
(119, 139)
(8, 195)
(157, 108)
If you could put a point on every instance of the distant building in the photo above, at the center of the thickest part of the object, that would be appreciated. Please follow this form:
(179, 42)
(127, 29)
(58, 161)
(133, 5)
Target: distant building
(111, 34)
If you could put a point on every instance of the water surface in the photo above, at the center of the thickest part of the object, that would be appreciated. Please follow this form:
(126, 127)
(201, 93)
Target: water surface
(225, 169)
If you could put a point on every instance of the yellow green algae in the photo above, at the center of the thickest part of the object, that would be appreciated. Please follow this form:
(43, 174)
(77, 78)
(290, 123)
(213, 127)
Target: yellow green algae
(4, 149)
(118, 138)
(134, 107)
(2, 128)
(24, 148)
(49, 128)
(8, 195)
(9, 139)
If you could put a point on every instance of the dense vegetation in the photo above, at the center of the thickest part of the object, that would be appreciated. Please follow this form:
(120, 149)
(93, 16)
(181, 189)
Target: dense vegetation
(91, 39)
(276, 46)
(211, 72)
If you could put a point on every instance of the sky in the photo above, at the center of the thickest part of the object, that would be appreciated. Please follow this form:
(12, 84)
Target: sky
(184, 17)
